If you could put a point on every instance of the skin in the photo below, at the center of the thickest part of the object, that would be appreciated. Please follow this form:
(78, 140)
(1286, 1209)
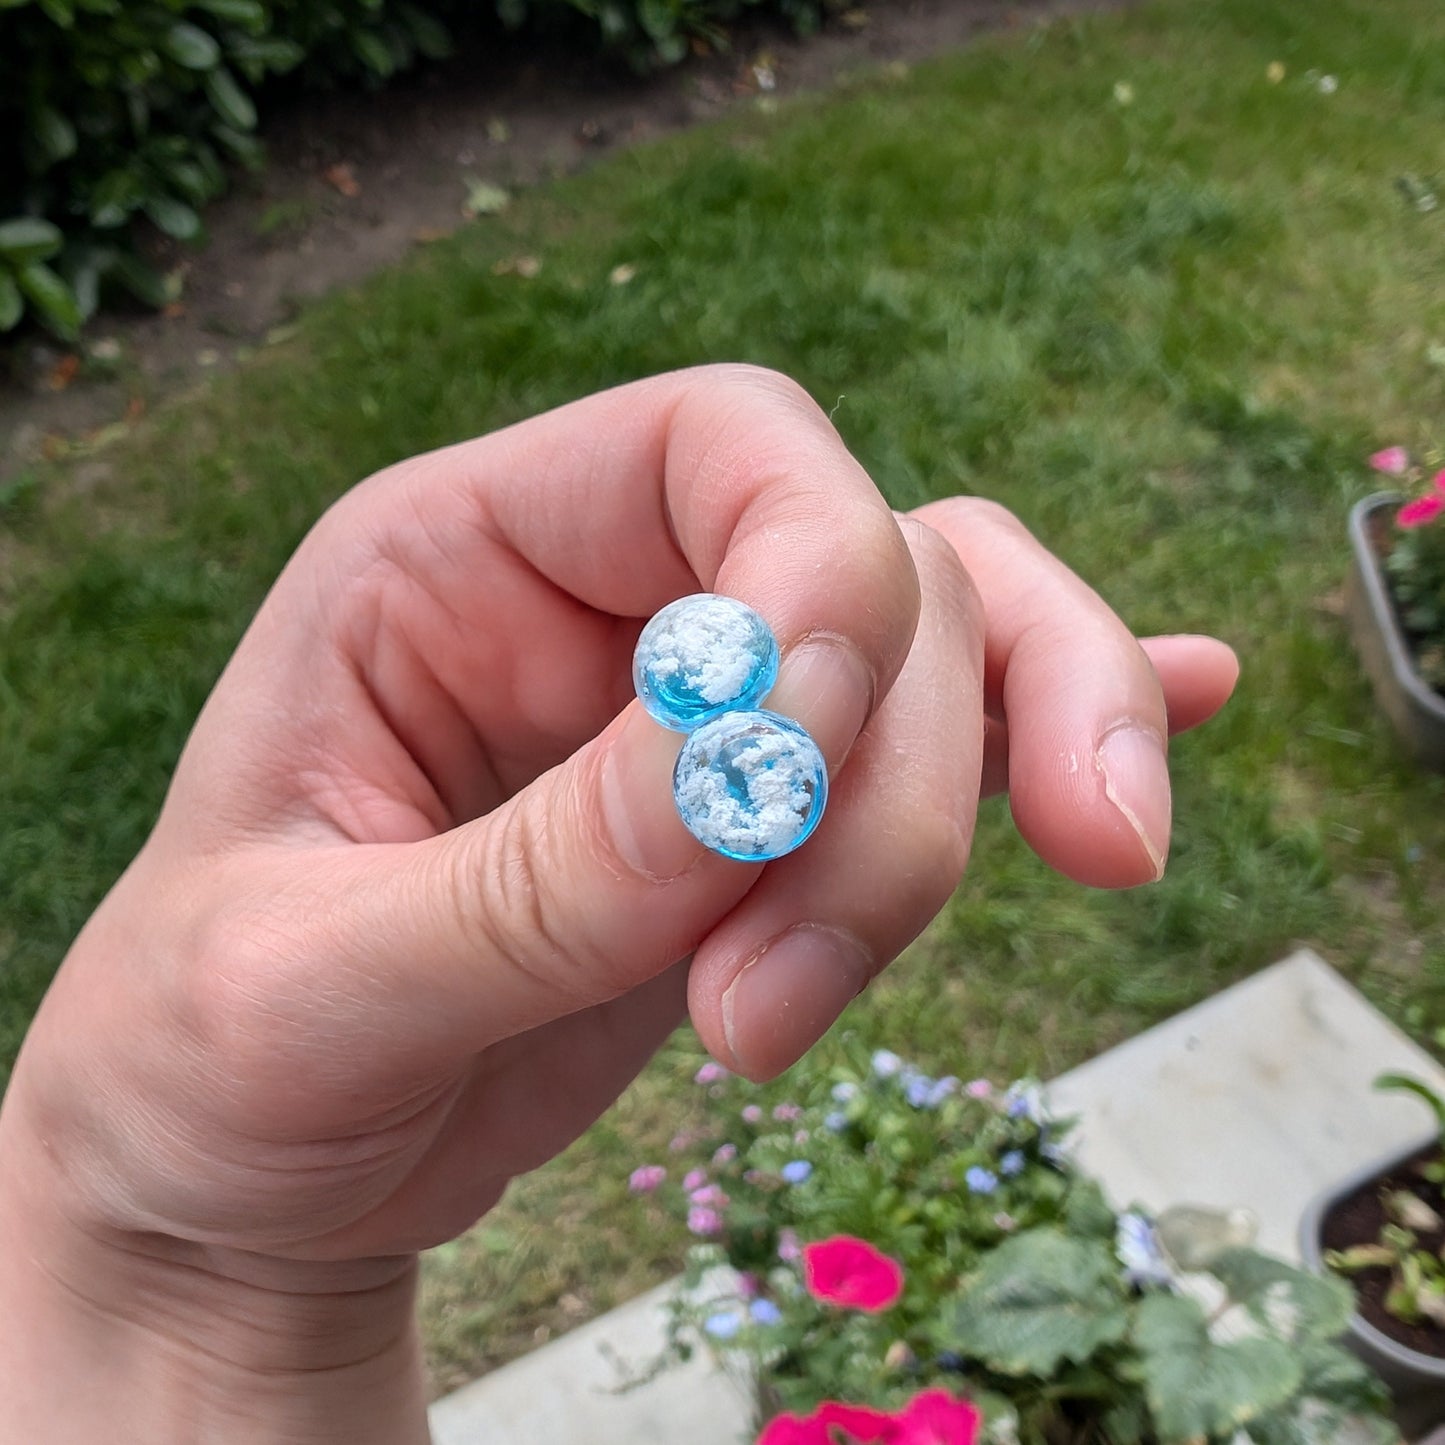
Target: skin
(418, 905)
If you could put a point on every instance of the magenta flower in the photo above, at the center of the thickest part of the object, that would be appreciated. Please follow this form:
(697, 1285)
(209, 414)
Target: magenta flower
(934, 1417)
(646, 1178)
(704, 1221)
(694, 1179)
(1421, 510)
(849, 1272)
(1393, 461)
(856, 1422)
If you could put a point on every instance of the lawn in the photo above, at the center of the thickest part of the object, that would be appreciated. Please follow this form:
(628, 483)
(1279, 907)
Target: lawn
(1119, 273)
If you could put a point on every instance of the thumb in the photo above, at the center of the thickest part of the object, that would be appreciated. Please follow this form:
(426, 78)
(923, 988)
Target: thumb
(579, 888)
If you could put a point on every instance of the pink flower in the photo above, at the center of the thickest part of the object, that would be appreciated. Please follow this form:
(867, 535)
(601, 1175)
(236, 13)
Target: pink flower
(788, 1247)
(694, 1179)
(710, 1073)
(978, 1088)
(703, 1221)
(725, 1154)
(934, 1417)
(710, 1196)
(856, 1422)
(787, 1113)
(752, 1114)
(850, 1272)
(1393, 461)
(1421, 510)
(645, 1179)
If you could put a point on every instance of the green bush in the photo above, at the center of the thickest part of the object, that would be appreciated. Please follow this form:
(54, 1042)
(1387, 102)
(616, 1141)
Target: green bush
(130, 109)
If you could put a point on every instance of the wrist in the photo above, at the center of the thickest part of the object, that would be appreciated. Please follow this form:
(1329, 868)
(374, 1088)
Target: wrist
(110, 1334)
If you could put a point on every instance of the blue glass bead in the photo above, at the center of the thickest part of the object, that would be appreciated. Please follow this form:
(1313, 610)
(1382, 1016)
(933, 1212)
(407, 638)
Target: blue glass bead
(702, 656)
(750, 785)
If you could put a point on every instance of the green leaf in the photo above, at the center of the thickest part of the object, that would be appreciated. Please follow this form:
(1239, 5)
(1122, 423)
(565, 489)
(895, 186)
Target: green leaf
(53, 300)
(232, 103)
(658, 17)
(190, 46)
(1039, 1299)
(1292, 1301)
(143, 282)
(1202, 1390)
(28, 238)
(114, 197)
(50, 135)
(1405, 1083)
(62, 12)
(173, 216)
(430, 35)
(12, 303)
(373, 52)
(239, 12)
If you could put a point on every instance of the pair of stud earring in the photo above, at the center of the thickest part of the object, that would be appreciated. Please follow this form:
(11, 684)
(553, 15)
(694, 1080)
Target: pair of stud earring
(748, 783)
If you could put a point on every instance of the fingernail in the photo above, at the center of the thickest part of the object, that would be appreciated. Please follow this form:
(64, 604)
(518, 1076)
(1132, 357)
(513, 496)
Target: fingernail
(827, 686)
(634, 790)
(788, 995)
(1132, 761)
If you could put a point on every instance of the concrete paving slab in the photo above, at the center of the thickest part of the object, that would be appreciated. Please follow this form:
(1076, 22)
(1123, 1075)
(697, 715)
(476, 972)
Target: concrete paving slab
(1259, 1097)
(567, 1391)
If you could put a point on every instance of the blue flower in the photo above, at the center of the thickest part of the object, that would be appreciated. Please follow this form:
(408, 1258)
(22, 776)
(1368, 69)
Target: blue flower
(917, 1088)
(1012, 1163)
(845, 1092)
(1137, 1247)
(723, 1325)
(765, 1312)
(835, 1122)
(795, 1171)
(886, 1063)
(981, 1180)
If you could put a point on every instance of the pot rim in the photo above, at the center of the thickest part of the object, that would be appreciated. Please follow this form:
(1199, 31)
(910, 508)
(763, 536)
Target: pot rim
(1312, 1218)
(1372, 578)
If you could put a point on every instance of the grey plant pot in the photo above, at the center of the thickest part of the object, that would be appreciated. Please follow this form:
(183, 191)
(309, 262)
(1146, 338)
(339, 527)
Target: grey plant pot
(1416, 709)
(1416, 1381)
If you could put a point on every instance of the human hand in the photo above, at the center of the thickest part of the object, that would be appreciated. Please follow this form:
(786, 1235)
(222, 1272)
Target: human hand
(419, 906)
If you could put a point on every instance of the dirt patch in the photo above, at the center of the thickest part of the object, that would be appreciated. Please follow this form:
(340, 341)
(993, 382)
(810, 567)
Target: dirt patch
(354, 181)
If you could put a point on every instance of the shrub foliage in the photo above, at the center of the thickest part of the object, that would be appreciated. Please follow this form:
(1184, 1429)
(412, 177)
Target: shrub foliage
(131, 109)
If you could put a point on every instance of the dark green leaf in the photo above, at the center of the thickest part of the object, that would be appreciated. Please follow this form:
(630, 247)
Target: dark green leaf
(1039, 1299)
(173, 216)
(232, 103)
(1199, 1389)
(53, 300)
(51, 136)
(430, 35)
(1305, 1306)
(62, 12)
(12, 304)
(373, 52)
(191, 46)
(28, 238)
(116, 195)
(143, 282)
(239, 12)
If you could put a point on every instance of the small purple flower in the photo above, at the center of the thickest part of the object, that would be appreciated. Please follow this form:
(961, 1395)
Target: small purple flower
(765, 1312)
(835, 1122)
(694, 1179)
(723, 1325)
(787, 1113)
(710, 1073)
(1012, 1163)
(725, 1154)
(704, 1221)
(795, 1171)
(917, 1088)
(752, 1114)
(981, 1180)
(789, 1250)
(886, 1063)
(710, 1196)
(647, 1178)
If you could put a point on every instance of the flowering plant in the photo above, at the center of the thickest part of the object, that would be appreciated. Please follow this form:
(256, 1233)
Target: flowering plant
(1415, 560)
(894, 1238)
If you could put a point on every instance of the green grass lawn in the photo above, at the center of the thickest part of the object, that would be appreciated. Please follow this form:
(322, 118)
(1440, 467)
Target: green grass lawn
(1109, 272)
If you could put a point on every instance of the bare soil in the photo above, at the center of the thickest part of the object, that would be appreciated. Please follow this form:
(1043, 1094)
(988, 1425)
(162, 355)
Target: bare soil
(1358, 1218)
(355, 180)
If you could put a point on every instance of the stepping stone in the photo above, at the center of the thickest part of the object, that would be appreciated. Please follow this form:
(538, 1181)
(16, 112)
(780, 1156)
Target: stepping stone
(1259, 1097)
